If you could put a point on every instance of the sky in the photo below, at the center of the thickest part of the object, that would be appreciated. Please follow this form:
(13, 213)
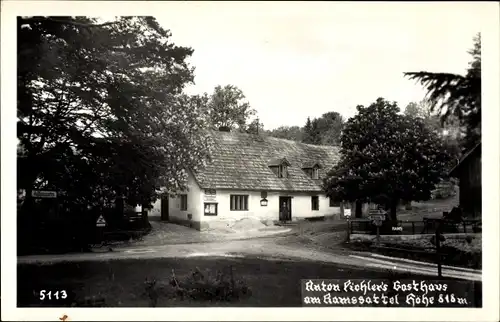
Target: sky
(293, 60)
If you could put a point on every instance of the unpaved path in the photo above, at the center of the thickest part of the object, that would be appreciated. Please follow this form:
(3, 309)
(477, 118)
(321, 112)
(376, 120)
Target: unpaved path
(266, 248)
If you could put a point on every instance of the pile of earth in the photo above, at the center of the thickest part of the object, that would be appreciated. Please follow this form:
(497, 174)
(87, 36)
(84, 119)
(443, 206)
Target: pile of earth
(248, 224)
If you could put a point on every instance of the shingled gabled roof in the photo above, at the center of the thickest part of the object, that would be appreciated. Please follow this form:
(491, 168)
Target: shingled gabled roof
(241, 161)
(274, 162)
(310, 164)
(456, 169)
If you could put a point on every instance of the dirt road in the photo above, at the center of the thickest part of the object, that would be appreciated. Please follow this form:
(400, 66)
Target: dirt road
(266, 248)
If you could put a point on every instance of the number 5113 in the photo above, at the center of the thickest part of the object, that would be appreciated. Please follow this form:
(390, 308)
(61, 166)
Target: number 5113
(44, 295)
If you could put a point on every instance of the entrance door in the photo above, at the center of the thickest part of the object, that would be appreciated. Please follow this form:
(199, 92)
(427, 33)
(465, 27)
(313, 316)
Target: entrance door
(164, 208)
(285, 208)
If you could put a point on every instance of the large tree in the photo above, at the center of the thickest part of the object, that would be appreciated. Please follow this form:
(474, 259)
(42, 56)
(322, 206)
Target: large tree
(311, 132)
(449, 130)
(324, 130)
(228, 108)
(101, 112)
(330, 128)
(386, 158)
(457, 95)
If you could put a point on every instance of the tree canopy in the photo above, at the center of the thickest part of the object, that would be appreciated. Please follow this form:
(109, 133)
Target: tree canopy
(101, 109)
(386, 157)
(228, 108)
(294, 133)
(324, 130)
(450, 131)
(457, 95)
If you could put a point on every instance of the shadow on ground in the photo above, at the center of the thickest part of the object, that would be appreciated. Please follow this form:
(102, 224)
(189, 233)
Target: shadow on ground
(273, 283)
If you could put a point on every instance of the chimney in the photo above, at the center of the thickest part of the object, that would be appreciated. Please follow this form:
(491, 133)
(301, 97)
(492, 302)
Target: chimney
(224, 129)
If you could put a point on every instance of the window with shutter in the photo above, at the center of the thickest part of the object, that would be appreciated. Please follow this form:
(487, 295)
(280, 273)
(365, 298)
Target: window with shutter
(238, 202)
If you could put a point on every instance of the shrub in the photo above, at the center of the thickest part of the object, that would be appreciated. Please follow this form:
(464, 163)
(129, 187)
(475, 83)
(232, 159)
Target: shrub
(222, 287)
(151, 290)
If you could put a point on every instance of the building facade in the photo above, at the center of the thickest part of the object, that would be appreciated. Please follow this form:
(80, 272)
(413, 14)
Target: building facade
(252, 176)
(468, 171)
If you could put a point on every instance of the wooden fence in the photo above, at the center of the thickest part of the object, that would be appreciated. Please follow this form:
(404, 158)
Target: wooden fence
(415, 227)
(434, 226)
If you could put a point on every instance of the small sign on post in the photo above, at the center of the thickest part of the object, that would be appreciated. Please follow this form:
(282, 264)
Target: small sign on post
(100, 222)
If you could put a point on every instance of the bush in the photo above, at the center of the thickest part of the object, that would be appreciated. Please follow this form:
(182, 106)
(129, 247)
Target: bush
(222, 287)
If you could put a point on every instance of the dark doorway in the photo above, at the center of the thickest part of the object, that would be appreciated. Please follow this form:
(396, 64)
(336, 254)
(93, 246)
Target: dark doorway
(285, 208)
(164, 208)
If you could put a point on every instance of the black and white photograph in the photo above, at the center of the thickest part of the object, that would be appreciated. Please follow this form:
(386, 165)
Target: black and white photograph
(250, 156)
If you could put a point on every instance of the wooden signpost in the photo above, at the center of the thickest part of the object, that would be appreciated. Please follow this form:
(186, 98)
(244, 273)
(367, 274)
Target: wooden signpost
(347, 214)
(100, 222)
(377, 218)
(438, 246)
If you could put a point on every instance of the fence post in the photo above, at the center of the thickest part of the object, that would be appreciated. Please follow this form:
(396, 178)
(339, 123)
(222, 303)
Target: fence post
(438, 247)
(348, 230)
(465, 227)
(413, 228)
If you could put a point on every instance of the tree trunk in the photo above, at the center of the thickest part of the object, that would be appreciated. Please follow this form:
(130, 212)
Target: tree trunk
(144, 215)
(119, 207)
(359, 209)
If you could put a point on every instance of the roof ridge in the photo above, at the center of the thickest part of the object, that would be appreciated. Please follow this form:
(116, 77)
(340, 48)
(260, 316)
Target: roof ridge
(274, 138)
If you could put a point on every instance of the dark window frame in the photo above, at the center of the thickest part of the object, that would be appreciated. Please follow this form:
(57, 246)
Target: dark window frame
(281, 171)
(184, 202)
(315, 173)
(334, 203)
(315, 203)
(312, 173)
(208, 213)
(238, 202)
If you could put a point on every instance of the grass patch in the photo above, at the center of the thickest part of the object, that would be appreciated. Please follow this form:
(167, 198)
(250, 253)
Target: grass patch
(124, 283)
(462, 252)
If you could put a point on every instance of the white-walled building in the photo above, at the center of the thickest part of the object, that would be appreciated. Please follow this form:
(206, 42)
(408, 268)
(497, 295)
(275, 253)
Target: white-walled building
(254, 176)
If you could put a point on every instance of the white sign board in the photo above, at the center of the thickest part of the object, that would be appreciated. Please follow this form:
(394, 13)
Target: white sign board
(377, 217)
(209, 198)
(100, 222)
(347, 213)
(43, 194)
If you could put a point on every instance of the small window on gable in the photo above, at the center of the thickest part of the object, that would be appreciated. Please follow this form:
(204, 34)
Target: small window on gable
(282, 171)
(279, 167)
(315, 173)
(311, 169)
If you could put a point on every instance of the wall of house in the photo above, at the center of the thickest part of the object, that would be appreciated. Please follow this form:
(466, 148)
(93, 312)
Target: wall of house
(194, 206)
(301, 206)
(470, 194)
